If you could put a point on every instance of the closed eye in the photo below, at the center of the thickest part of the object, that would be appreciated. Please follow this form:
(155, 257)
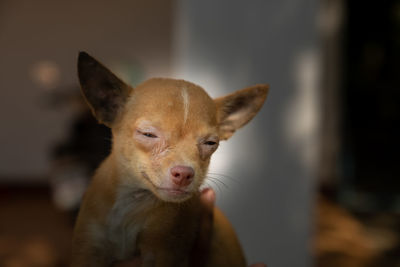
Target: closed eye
(149, 135)
(210, 143)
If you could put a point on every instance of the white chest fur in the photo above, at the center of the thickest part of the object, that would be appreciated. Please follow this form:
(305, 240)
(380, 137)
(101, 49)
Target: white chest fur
(124, 221)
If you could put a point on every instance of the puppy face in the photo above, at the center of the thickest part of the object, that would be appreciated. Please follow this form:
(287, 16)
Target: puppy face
(166, 136)
(164, 130)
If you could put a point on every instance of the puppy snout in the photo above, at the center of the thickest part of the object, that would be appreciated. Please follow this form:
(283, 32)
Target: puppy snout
(182, 175)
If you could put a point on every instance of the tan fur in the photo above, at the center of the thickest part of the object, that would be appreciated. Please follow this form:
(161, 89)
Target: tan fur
(131, 206)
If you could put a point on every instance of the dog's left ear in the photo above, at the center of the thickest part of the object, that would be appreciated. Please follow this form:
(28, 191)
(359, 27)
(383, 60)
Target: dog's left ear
(105, 93)
(238, 108)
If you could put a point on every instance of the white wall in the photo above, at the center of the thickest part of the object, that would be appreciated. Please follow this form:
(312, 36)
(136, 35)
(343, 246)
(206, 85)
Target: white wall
(227, 45)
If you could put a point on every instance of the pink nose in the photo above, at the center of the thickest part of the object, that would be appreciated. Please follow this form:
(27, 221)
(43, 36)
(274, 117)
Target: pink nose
(182, 175)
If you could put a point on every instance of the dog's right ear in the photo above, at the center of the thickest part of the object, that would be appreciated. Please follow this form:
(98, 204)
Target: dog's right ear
(105, 93)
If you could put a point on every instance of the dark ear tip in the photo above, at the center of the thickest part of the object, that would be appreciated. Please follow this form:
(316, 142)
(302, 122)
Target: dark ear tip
(83, 54)
(86, 63)
(85, 58)
(262, 89)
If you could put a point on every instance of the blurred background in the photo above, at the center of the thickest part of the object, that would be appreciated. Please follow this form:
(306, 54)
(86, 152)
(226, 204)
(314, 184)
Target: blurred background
(311, 181)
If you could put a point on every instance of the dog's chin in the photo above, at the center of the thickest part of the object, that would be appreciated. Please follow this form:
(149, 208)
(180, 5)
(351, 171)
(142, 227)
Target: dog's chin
(172, 195)
(167, 194)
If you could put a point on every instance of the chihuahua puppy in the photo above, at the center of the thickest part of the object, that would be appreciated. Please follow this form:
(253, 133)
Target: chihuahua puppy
(144, 198)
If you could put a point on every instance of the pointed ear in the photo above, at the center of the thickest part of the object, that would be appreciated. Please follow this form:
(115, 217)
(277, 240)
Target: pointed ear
(105, 93)
(237, 109)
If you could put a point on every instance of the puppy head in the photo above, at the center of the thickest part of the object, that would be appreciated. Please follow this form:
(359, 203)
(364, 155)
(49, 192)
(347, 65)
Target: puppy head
(164, 130)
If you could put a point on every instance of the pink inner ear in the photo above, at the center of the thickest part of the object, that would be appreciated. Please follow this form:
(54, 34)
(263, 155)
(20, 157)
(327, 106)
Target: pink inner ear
(237, 109)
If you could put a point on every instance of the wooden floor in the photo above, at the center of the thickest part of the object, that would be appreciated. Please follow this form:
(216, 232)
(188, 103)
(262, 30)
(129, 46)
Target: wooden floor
(33, 233)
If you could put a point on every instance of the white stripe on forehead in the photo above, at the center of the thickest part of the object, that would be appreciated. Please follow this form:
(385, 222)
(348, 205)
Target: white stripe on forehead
(185, 97)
